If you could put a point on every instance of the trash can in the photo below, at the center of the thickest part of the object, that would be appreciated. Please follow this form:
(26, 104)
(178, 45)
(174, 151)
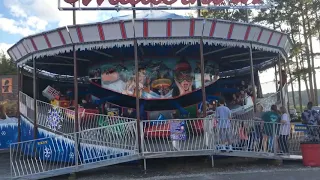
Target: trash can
(310, 153)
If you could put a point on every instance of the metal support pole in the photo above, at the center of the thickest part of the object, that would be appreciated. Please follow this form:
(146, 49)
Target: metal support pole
(280, 77)
(76, 108)
(252, 79)
(145, 165)
(212, 161)
(76, 98)
(198, 10)
(19, 115)
(35, 124)
(136, 70)
(74, 14)
(276, 77)
(203, 88)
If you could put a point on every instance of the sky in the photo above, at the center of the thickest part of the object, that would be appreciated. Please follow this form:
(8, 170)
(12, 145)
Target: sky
(20, 18)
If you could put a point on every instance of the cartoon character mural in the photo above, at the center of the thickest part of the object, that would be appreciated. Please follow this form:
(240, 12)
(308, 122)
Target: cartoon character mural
(158, 78)
(211, 73)
(183, 78)
(7, 85)
(113, 78)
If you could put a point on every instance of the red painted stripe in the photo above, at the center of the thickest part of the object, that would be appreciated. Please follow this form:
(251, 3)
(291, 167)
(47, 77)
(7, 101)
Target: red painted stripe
(101, 33)
(213, 28)
(246, 36)
(99, 2)
(169, 28)
(123, 30)
(279, 40)
(34, 45)
(230, 30)
(145, 28)
(260, 35)
(270, 37)
(80, 36)
(191, 31)
(47, 40)
(62, 38)
(86, 2)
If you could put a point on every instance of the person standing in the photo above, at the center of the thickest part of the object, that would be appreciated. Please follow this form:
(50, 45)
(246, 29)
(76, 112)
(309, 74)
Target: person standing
(270, 119)
(284, 130)
(223, 115)
(311, 118)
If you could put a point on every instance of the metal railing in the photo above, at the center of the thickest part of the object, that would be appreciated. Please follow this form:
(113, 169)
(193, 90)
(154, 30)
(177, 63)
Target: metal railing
(211, 136)
(61, 120)
(104, 140)
(57, 155)
(26, 105)
(158, 136)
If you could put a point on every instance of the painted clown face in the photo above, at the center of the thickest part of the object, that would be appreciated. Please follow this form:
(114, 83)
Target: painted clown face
(184, 79)
(110, 77)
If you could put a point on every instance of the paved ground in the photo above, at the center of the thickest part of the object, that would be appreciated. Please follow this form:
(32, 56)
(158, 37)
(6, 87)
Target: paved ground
(199, 168)
(191, 168)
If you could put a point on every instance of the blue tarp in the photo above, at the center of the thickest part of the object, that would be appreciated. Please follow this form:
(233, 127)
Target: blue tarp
(8, 132)
(53, 147)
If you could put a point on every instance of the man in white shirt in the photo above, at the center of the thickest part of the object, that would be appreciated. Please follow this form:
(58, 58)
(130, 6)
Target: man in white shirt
(284, 130)
(223, 115)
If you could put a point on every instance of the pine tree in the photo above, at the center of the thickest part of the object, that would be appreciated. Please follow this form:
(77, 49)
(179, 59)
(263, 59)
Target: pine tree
(7, 66)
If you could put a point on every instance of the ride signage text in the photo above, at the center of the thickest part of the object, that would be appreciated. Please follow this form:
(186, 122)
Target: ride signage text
(168, 2)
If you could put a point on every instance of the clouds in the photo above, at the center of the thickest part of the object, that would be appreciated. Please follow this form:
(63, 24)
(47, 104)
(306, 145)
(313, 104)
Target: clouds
(4, 47)
(18, 21)
(27, 17)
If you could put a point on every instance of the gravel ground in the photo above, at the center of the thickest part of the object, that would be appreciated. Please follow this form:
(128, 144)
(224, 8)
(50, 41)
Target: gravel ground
(191, 168)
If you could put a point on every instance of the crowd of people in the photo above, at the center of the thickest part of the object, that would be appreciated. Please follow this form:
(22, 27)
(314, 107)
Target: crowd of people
(269, 133)
(244, 91)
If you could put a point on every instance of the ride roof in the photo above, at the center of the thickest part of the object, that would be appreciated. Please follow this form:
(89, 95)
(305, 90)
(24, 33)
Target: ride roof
(158, 34)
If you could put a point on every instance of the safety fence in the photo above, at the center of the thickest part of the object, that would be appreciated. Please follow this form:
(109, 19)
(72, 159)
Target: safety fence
(97, 147)
(26, 105)
(58, 155)
(104, 140)
(61, 120)
(210, 136)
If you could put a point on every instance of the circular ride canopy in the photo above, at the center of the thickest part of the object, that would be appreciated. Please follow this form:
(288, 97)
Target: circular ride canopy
(168, 53)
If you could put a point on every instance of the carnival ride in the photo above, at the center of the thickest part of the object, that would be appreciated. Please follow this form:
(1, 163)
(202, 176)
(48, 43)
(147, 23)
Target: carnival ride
(168, 76)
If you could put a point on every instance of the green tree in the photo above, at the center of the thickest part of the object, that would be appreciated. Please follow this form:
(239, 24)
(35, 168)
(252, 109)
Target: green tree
(7, 66)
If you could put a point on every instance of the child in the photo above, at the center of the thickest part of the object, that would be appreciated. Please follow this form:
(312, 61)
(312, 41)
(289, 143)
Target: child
(243, 136)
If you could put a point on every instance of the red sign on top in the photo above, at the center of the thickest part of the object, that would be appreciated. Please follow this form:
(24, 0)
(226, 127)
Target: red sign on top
(167, 2)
